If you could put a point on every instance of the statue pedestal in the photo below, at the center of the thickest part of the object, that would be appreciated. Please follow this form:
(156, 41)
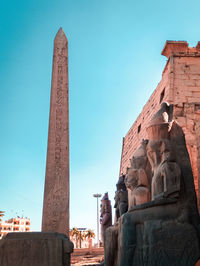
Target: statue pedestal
(35, 249)
(166, 243)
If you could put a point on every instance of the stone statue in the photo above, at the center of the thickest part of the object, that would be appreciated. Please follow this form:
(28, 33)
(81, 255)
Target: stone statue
(121, 198)
(166, 178)
(111, 233)
(136, 180)
(137, 183)
(167, 174)
(106, 215)
(164, 230)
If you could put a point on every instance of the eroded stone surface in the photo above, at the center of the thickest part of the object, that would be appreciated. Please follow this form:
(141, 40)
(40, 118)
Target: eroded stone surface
(56, 195)
(35, 249)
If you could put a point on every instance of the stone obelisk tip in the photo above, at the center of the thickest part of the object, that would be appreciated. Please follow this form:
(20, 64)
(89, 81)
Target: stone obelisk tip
(60, 35)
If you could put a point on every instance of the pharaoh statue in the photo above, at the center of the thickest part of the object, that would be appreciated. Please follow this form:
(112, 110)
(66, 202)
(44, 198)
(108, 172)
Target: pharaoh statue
(106, 215)
(138, 178)
(111, 233)
(167, 174)
(121, 198)
(162, 225)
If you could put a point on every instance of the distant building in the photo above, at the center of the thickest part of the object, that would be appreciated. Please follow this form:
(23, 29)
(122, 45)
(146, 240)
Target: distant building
(15, 225)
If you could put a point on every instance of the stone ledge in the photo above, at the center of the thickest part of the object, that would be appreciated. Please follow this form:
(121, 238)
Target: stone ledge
(180, 48)
(35, 249)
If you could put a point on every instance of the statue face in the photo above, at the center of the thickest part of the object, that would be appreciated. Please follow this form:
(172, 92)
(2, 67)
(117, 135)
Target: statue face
(105, 207)
(138, 162)
(116, 198)
(131, 179)
(120, 184)
(154, 152)
(166, 152)
(158, 152)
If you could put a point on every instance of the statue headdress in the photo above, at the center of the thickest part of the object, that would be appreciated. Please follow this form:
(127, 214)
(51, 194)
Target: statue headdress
(161, 122)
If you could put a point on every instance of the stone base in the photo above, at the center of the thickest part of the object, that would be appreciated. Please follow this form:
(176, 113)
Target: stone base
(111, 245)
(166, 243)
(35, 249)
(157, 242)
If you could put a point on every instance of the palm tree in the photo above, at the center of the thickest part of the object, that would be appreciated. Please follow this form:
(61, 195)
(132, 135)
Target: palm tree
(75, 232)
(89, 235)
(81, 237)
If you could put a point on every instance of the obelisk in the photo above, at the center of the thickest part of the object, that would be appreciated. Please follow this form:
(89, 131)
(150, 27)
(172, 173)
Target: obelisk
(56, 193)
(52, 246)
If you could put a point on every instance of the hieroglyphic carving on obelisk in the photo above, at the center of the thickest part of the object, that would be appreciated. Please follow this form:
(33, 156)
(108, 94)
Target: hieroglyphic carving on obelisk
(56, 194)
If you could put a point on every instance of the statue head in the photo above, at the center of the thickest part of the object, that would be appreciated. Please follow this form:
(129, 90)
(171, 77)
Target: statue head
(139, 159)
(120, 184)
(105, 197)
(161, 123)
(135, 178)
(106, 211)
(116, 198)
(131, 179)
(159, 151)
(105, 204)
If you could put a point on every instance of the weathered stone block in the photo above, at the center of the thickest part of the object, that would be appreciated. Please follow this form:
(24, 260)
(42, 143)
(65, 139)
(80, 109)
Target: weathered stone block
(163, 243)
(35, 249)
(191, 139)
(178, 111)
(185, 82)
(191, 116)
(181, 121)
(190, 124)
(193, 99)
(189, 108)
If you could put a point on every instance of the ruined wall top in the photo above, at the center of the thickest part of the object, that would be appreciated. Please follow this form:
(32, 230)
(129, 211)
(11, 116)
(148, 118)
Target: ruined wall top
(180, 48)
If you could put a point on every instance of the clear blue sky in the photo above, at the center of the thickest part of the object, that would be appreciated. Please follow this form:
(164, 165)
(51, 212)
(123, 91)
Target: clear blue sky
(114, 66)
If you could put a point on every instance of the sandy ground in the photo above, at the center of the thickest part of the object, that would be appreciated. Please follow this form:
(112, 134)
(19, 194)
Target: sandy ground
(87, 257)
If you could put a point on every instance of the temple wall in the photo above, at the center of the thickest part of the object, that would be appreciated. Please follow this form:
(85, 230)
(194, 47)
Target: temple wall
(180, 85)
(138, 131)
